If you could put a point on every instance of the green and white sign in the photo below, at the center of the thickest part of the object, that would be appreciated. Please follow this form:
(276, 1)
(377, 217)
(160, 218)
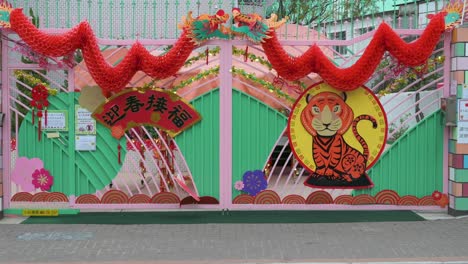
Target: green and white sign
(57, 120)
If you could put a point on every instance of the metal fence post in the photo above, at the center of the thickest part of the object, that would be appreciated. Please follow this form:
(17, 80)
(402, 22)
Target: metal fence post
(225, 115)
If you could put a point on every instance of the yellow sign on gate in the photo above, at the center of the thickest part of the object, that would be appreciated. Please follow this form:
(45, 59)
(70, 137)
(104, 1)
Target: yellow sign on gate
(40, 212)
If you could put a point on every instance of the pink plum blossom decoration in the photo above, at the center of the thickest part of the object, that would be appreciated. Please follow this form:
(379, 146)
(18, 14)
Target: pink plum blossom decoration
(239, 185)
(42, 179)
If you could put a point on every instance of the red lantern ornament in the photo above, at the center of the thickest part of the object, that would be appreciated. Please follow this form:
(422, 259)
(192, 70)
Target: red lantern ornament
(38, 103)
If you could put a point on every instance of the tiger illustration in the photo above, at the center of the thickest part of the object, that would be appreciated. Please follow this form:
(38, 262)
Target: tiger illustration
(327, 117)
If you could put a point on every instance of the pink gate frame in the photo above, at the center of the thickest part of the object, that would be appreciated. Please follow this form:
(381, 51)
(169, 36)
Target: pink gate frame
(225, 145)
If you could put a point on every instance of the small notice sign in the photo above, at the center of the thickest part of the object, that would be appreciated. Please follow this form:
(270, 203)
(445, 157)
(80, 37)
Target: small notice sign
(53, 135)
(85, 124)
(85, 143)
(57, 120)
(40, 212)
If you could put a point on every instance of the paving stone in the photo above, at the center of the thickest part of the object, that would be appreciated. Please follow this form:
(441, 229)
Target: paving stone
(228, 243)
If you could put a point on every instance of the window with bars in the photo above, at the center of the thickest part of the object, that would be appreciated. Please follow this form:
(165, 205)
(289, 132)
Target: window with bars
(364, 30)
(250, 2)
(340, 35)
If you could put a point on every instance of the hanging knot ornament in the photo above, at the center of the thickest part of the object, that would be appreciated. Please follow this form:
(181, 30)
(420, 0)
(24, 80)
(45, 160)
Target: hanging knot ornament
(38, 104)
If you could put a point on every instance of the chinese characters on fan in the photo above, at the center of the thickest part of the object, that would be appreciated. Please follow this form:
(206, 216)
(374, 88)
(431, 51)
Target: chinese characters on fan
(175, 113)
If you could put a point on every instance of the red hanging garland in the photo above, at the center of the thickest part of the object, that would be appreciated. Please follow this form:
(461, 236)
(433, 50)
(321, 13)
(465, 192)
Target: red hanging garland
(39, 102)
(385, 39)
(114, 79)
(110, 79)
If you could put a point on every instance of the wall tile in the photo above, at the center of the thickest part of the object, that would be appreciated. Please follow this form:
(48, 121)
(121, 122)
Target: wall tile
(452, 145)
(460, 35)
(459, 76)
(465, 190)
(453, 133)
(458, 161)
(459, 91)
(465, 161)
(461, 63)
(461, 175)
(461, 148)
(461, 203)
(459, 49)
(456, 188)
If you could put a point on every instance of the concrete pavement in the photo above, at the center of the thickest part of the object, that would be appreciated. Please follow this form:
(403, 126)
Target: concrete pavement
(437, 241)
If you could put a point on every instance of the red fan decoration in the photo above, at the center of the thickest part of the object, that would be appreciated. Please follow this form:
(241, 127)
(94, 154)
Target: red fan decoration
(38, 103)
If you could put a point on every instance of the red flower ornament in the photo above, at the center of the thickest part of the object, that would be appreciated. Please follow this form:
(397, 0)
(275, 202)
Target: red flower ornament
(42, 179)
(436, 195)
(441, 199)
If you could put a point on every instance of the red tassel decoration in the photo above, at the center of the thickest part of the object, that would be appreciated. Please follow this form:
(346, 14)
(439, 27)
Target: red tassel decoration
(39, 123)
(39, 132)
(119, 148)
(207, 55)
(45, 120)
(246, 55)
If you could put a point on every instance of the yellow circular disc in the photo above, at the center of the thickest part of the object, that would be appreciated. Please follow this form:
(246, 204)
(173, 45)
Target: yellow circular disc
(360, 103)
